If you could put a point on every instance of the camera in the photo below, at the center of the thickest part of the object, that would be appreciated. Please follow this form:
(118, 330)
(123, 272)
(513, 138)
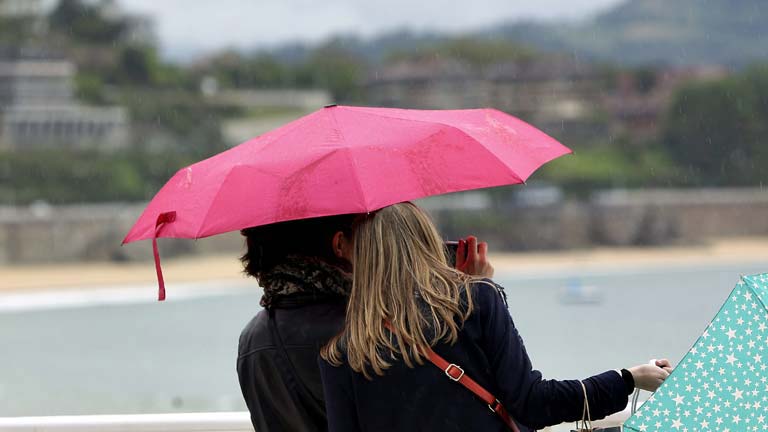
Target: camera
(451, 248)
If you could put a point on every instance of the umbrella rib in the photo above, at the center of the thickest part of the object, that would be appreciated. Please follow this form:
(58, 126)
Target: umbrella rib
(719, 311)
(365, 112)
(352, 160)
(213, 199)
(516, 176)
(491, 152)
(751, 286)
(288, 130)
(487, 150)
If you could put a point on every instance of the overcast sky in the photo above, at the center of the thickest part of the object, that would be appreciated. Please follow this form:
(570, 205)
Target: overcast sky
(185, 25)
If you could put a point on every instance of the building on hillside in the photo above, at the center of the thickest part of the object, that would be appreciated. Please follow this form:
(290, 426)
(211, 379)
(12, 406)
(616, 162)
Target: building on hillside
(21, 8)
(23, 18)
(429, 83)
(639, 101)
(571, 100)
(139, 28)
(556, 94)
(256, 99)
(38, 109)
(265, 109)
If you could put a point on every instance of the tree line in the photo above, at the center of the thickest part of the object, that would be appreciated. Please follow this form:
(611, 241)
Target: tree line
(712, 134)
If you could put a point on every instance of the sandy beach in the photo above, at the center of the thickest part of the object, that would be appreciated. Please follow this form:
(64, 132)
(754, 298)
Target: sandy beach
(227, 267)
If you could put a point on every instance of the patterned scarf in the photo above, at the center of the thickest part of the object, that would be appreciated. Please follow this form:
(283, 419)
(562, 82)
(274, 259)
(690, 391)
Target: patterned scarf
(304, 278)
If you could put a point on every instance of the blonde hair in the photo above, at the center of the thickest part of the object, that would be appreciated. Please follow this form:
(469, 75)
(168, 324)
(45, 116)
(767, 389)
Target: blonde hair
(401, 276)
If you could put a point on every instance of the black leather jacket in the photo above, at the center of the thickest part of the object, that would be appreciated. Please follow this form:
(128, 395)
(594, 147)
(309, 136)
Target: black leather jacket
(277, 363)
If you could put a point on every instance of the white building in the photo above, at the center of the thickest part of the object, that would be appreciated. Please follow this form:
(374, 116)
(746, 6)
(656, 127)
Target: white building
(38, 110)
(21, 8)
(139, 28)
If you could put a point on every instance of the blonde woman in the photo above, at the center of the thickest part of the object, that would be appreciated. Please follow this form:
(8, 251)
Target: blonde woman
(405, 301)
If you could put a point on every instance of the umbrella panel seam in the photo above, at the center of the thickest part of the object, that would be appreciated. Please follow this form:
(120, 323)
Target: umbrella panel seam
(462, 132)
(213, 199)
(749, 285)
(522, 180)
(353, 161)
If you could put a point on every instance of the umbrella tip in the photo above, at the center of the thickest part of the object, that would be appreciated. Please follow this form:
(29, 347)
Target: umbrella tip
(330, 105)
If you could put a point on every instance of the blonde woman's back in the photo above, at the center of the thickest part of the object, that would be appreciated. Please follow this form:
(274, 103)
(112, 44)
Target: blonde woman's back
(401, 277)
(406, 299)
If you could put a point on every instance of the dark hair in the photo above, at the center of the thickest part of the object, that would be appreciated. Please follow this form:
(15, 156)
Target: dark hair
(269, 245)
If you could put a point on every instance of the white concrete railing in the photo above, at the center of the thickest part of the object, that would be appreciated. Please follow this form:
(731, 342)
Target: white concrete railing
(189, 422)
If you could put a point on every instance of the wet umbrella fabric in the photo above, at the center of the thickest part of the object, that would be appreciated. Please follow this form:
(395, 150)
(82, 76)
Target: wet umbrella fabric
(722, 383)
(341, 160)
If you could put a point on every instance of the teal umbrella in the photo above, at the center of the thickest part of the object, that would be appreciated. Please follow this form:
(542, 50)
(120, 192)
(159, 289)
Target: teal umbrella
(722, 383)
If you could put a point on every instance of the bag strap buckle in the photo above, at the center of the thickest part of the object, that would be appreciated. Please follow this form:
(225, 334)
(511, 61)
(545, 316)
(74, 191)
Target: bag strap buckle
(454, 372)
(495, 406)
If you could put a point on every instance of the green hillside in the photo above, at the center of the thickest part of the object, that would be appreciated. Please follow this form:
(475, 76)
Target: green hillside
(682, 32)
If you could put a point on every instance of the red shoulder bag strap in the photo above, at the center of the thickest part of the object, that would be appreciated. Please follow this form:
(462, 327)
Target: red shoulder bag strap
(456, 374)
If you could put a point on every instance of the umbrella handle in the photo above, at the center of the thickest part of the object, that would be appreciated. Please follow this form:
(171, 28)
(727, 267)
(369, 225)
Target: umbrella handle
(162, 219)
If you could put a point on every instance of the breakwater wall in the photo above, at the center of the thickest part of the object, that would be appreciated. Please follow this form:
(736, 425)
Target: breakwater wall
(617, 218)
(43, 233)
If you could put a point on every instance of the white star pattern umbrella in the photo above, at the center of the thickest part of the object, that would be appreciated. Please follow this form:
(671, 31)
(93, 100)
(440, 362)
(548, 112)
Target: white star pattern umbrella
(722, 383)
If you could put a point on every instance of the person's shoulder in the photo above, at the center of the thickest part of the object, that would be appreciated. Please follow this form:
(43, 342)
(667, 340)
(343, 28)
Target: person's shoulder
(256, 333)
(487, 291)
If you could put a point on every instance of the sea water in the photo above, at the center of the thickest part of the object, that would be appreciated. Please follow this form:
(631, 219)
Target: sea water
(117, 351)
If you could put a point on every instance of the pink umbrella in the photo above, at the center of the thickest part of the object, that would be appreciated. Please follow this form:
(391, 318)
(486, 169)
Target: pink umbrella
(340, 160)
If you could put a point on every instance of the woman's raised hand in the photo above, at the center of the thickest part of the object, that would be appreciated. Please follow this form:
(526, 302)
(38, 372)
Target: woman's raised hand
(650, 376)
(472, 258)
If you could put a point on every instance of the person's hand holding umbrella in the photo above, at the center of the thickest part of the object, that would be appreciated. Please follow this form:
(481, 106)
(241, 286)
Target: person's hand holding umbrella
(649, 377)
(719, 385)
(472, 259)
(664, 364)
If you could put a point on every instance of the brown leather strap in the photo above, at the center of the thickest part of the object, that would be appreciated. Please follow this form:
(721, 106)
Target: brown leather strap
(456, 373)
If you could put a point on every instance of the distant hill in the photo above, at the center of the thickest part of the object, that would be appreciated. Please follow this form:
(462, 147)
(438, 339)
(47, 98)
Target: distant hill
(680, 32)
(372, 49)
(635, 32)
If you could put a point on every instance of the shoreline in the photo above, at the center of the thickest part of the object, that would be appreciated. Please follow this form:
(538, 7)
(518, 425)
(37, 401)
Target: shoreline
(38, 277)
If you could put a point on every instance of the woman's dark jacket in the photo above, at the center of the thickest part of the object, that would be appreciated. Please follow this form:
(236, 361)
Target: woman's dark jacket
(491, 351)
(282, 388)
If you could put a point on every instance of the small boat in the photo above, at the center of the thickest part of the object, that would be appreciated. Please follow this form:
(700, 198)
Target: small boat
(576, 293)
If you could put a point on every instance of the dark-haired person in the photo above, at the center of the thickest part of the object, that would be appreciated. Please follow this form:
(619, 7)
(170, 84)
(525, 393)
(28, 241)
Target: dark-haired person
(306, 278)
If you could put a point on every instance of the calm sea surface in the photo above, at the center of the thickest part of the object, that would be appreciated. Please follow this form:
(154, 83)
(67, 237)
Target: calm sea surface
(179, 356)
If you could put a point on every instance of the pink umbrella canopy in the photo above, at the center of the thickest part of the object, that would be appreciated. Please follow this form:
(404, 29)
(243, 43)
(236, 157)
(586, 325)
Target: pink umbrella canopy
(343, 159)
